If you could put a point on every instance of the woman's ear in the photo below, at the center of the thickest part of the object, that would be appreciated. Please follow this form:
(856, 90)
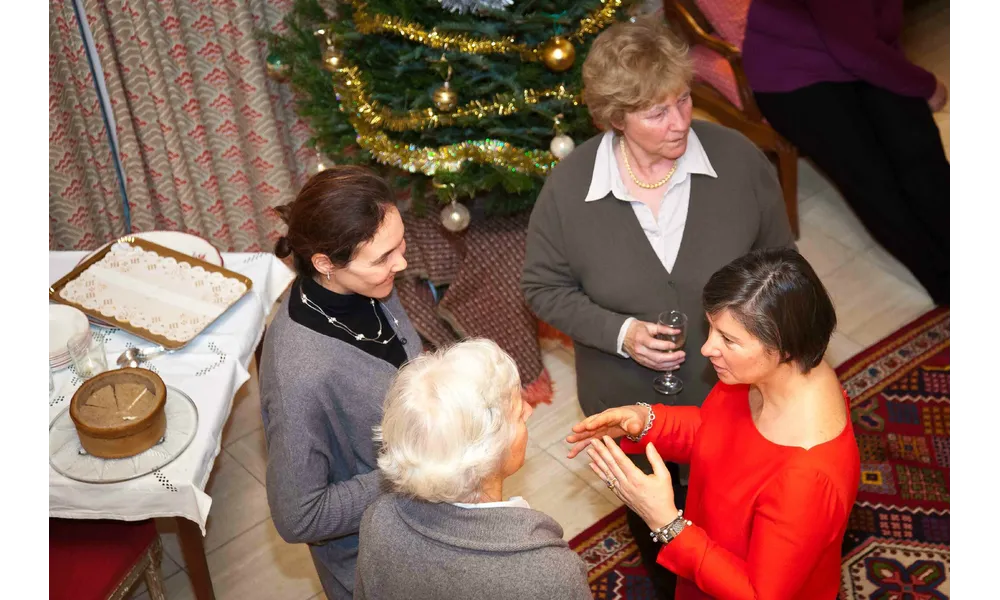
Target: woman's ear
(617, 122)
(322, 264)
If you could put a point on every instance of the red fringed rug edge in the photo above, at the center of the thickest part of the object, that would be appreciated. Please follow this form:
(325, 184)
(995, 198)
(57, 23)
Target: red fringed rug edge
(540, 390)
(548, 332)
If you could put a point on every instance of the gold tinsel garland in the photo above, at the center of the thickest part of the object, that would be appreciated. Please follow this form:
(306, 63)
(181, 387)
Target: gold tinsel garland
(429, 161)
(369, 121)
(353, 90)
(366, 23)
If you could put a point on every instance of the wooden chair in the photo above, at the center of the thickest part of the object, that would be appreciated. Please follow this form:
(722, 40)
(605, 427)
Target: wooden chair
(720, 87)
(103, 560)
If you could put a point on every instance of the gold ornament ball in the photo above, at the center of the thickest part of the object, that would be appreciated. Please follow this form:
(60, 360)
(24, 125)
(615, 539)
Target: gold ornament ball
(331, 59)
(445, 98)
(558, 54)
(455, 217)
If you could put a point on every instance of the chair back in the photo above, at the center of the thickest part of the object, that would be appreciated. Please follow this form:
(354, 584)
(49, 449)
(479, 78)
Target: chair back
(727, 17)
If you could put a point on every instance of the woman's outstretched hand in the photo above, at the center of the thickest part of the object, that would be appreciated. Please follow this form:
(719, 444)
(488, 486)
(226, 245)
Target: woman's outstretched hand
(649, 496)
(614, 423)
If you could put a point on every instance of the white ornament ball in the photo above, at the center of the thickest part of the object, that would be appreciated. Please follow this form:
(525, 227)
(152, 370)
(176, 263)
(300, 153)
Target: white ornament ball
(561, 146)
(455, 217)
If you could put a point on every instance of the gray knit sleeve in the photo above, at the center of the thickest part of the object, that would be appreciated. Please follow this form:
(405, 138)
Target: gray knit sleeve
(565, 576)
(305, 506)
(550, 287)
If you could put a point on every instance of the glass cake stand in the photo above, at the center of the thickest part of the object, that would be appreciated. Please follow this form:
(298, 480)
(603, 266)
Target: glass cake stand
(68, 457)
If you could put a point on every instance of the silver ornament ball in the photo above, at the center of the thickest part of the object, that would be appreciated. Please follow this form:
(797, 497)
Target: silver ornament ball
(561, 146)
(455, 217)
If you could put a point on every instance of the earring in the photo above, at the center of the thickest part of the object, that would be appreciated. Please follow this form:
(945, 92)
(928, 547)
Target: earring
(328, 276)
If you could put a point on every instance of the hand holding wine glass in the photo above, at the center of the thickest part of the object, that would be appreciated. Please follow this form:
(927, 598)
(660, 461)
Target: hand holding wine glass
(644, 346)
(674, 323)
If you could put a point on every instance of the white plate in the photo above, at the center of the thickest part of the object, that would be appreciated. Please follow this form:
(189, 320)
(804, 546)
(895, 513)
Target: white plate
(185, 243)
(67, 457)
(64, 323)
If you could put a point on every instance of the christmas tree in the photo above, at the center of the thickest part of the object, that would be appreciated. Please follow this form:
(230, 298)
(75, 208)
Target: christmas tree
(465, 98)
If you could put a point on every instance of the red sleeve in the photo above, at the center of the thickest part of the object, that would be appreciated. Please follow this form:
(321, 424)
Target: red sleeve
(672, 433)
(797, 516)
(850, 31)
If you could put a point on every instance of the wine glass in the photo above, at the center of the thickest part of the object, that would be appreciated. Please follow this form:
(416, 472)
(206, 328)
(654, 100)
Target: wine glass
(667, 383)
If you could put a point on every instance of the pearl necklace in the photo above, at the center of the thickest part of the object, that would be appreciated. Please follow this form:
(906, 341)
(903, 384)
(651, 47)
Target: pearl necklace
(358, 336)
(647, 186)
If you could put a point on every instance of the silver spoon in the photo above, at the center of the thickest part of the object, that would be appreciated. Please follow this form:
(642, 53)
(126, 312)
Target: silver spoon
(133, 356)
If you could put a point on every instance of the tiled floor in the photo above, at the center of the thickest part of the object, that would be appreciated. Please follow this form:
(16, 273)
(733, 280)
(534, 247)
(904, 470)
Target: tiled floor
(874, 295)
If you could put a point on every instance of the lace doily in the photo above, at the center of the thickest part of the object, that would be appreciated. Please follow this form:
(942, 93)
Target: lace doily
(155, 293)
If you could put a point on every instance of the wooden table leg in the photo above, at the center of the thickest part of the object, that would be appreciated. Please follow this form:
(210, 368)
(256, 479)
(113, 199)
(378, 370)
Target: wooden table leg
(193, 549)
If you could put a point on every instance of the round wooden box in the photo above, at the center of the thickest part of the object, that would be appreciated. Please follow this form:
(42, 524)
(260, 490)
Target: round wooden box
(120, 413)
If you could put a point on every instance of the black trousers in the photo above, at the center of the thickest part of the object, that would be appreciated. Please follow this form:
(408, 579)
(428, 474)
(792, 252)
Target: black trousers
(884, 152)
(664, 581)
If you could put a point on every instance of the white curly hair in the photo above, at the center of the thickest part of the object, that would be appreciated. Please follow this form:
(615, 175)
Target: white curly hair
(448, 421)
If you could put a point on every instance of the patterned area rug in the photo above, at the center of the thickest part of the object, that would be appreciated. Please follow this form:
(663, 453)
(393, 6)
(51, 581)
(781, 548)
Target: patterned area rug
(897, 542)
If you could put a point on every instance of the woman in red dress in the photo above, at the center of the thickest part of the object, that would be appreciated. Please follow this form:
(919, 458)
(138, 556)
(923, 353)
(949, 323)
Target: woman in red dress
(774, 462)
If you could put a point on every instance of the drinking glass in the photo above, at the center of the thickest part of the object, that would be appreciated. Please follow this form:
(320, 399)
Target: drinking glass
(87, 352)
(667, 383)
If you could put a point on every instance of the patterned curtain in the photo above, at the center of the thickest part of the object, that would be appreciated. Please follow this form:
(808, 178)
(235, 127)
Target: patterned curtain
(85, 204)
(208, 143)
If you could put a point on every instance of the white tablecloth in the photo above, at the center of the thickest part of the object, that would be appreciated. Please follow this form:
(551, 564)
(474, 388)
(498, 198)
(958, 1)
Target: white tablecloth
(210, 369)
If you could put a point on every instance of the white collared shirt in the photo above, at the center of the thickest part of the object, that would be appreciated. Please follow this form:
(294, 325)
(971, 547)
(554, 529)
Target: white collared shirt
(514, 502)
(664, 233)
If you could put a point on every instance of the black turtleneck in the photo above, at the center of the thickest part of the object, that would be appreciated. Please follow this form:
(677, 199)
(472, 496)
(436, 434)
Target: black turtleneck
(355, 311)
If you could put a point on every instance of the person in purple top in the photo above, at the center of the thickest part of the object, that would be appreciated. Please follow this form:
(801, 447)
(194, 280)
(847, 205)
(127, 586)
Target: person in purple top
(831, 77)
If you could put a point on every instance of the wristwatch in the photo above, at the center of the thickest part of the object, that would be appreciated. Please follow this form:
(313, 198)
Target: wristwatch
(671, 530)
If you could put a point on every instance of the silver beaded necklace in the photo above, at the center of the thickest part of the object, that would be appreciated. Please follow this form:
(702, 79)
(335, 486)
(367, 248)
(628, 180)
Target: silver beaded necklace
(358, 336)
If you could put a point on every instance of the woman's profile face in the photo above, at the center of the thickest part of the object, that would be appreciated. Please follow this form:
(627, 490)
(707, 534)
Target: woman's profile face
(373, 269)
(661, 130)
(738, 357)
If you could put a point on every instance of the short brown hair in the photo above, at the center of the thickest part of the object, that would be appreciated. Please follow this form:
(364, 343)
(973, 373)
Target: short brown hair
(336, 211)
(778, 298)
(631, 66)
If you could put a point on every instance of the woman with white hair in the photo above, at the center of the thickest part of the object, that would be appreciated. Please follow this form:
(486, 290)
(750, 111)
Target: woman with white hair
(454, 427)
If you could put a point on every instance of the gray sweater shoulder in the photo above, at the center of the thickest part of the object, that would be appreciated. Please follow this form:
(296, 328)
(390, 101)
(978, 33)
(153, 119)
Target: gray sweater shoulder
(518, 550)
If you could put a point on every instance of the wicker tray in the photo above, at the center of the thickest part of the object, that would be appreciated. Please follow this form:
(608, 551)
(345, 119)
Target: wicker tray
(151, 291)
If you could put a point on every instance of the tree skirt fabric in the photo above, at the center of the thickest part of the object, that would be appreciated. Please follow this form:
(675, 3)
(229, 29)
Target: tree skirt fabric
(481, 268)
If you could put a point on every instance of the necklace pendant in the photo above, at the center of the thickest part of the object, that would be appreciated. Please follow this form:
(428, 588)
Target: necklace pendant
(332, 320)
(360, 337)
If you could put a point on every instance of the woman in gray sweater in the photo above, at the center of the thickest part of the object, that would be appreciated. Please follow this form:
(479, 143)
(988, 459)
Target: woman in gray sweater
(454, 428)
(329, 357)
